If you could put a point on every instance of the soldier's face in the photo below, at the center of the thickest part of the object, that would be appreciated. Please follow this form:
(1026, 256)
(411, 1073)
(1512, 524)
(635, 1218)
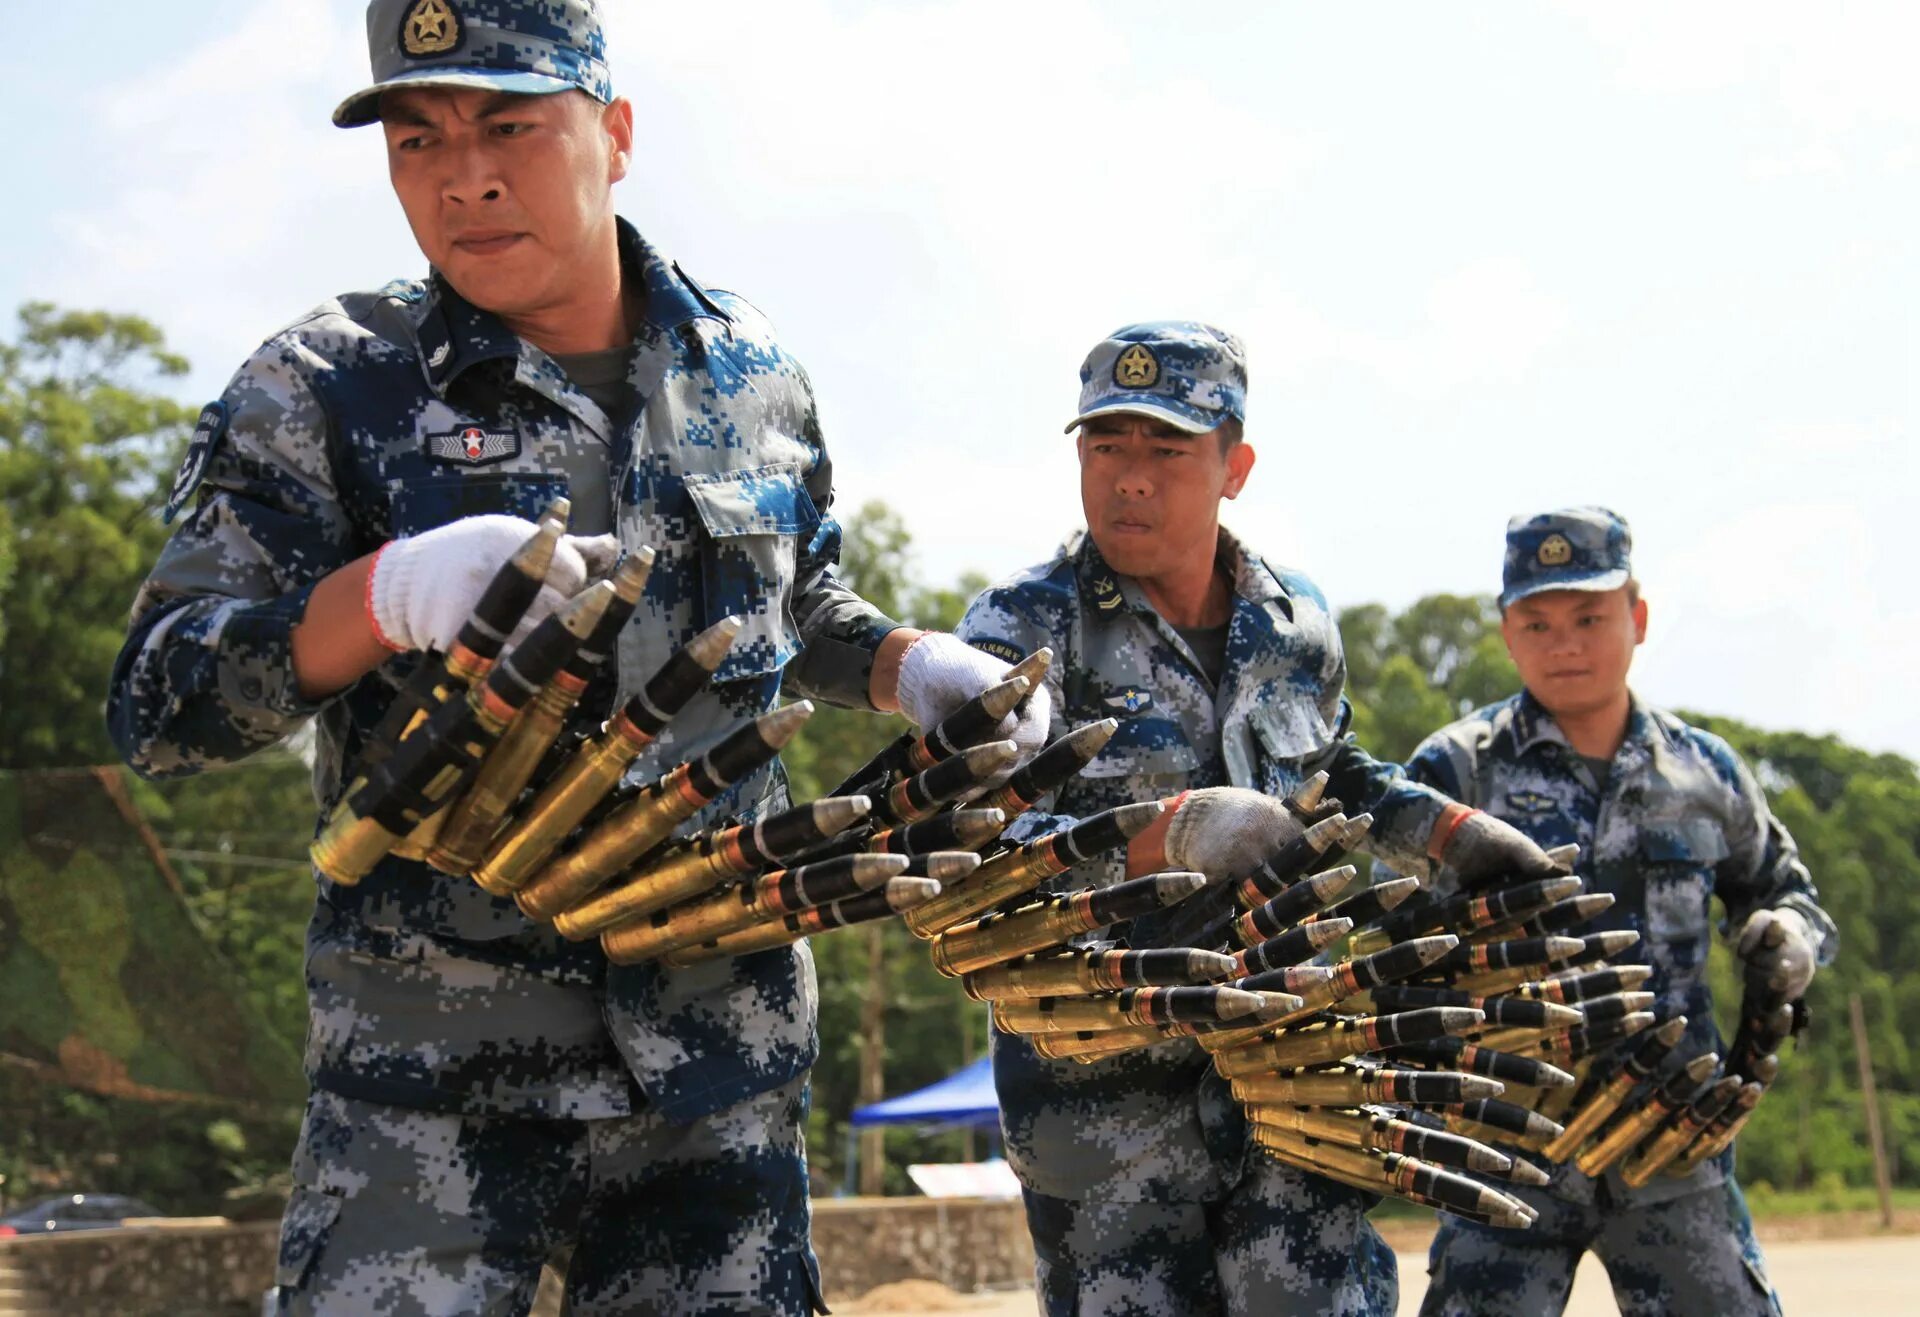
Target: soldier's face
(1573, 647)
(508, 195)
(1151, 492)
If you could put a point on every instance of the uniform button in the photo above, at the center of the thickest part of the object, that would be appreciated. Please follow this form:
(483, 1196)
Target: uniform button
(251, 688)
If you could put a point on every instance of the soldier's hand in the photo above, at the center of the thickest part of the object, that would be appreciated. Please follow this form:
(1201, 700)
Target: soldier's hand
(424, 587)
(1478, 846)
(1778, 947)
(939, 673)
(1227, 831)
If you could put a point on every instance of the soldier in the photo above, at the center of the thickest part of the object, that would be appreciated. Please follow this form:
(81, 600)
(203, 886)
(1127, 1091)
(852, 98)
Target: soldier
(485, 1092)
(1141, 1190)
(1666, 817)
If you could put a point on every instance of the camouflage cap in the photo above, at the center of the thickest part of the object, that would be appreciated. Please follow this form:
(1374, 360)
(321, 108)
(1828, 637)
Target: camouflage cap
(1571, 549)
(1188, 374)
(532, 47)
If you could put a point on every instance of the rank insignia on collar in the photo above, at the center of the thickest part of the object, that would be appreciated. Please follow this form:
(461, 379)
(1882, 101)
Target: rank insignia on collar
(1137, 368)
(474, 446)
(1106, 593)
(431, 27)
(1555, 551)
(1531, 802)
(1131, 700)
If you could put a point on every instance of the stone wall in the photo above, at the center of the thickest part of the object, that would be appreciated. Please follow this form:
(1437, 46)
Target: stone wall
(221, 1271)
(965, 1243)
(203, 1270)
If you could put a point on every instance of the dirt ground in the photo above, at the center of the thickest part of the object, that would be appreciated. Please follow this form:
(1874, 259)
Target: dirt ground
(1813, 1275)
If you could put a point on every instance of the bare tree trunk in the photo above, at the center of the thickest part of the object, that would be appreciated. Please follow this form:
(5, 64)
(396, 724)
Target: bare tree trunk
(1863, 1054)
(873, 1046)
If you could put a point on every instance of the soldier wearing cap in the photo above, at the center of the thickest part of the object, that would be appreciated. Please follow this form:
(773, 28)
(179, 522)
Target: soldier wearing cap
(1666, 817)
(484, 1092)
(1226, 673)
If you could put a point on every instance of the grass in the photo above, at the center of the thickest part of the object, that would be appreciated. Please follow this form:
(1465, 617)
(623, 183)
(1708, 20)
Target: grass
(1766, 1201)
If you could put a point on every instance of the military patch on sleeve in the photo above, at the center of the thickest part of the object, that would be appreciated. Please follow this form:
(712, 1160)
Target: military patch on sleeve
(1531, 802)
(1129, 701)
(208, 431)
(474, 446)
(1000, 649)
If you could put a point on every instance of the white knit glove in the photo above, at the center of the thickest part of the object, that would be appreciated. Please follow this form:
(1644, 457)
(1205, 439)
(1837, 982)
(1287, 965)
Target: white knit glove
(939, 673)
(1778, 947)
(424, 587)
(1225, 832)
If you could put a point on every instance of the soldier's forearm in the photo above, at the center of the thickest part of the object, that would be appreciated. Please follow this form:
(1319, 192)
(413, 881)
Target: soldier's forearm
(884, 687)
(334, 644)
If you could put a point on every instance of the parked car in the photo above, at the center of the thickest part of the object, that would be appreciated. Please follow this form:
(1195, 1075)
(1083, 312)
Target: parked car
(74, 1212)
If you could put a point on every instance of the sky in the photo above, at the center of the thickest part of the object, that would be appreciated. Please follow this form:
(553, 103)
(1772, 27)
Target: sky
(1487, 259)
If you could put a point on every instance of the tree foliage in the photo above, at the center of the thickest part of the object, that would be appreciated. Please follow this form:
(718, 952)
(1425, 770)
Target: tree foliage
(1415, 671)
(85, 447)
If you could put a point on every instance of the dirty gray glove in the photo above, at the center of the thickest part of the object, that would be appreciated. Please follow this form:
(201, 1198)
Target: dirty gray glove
(1778, 947)
(1225, 832)
(1478, 846)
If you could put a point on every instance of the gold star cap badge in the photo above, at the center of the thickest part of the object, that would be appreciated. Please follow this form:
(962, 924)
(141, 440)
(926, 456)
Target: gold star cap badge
(431, 27)
(1137, 368)
(1555, 551)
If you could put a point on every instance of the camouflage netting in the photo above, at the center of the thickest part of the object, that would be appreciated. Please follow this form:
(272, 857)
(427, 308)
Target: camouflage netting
(108, 982)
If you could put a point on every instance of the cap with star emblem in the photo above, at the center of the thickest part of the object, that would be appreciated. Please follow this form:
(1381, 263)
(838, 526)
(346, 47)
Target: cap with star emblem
(1188, 374)
(1571, 549)
(531, 47)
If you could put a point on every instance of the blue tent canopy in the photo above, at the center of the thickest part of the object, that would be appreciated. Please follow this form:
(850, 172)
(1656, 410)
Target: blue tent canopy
(963, 1098)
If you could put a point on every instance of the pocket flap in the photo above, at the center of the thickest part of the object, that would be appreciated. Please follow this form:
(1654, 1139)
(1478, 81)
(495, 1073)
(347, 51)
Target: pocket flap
(763, 500)
(1697, 842)
(304, 1228)
(1289, 728)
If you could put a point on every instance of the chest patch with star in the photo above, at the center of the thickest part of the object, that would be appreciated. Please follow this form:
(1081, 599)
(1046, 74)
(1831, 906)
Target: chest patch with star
(1130, 700)
(473, 445)
(1531, 802)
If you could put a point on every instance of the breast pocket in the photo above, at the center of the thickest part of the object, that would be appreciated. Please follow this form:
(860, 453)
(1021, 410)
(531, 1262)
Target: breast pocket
(1677, 863)
(754, 522)
(421, 505)
(1285, 738)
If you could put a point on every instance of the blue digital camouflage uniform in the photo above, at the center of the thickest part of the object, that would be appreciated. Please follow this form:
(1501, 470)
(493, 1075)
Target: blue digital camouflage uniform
(1678, 821)
(1681, 821)
(1141, 1192)
(337, 435)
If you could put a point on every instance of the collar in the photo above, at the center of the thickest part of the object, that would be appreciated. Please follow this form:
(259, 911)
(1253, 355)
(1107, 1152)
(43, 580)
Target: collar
(1109, 592)
(454, 334)
(1531, 725)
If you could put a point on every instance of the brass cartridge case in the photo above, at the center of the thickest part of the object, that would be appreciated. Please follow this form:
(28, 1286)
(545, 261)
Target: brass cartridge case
(557, 810)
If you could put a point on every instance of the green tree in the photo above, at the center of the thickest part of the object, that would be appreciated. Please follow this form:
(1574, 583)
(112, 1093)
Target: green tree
(930, 1027)
(1411, 673)
(85, 446)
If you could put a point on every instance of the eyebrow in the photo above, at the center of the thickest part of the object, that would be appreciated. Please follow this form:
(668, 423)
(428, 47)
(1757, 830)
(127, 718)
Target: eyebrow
(403, 112)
